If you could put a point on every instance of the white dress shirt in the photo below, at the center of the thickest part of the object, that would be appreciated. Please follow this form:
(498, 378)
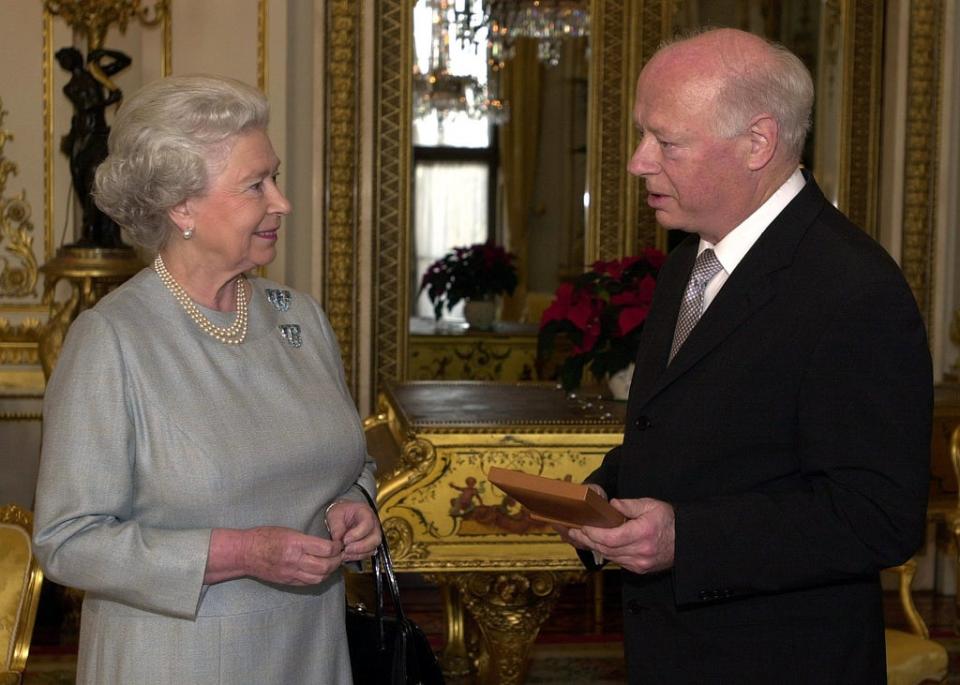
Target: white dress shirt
(732, 248)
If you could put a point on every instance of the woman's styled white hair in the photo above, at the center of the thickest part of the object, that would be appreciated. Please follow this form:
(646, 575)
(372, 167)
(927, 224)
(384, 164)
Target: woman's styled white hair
(164, 144)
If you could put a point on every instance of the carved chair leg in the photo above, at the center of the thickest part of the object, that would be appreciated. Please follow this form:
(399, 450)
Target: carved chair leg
(953, 523)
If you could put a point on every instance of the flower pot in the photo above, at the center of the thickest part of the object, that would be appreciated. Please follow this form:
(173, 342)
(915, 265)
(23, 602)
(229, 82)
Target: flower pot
(480, 314)
(619, 383)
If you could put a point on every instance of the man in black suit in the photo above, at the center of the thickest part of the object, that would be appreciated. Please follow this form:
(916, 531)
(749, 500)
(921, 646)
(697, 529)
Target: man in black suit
(776, 452)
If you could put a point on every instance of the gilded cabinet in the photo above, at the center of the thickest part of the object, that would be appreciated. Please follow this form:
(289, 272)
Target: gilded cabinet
(434, 443)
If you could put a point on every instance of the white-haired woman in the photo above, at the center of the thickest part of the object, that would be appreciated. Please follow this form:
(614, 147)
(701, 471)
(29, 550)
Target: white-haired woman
(201, 452)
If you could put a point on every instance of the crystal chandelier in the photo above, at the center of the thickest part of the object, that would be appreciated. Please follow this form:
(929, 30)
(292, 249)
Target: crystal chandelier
(547, 21)
(436, 90)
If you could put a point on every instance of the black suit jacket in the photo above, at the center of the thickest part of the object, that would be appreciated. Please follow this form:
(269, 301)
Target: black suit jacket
(791, 434)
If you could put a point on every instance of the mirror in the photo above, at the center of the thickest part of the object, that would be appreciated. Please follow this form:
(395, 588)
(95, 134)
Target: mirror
(499, 143)
(840, 42)
(623, 35)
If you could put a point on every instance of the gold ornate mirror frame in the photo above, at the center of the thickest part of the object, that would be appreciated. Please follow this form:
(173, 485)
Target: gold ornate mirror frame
(624, 34)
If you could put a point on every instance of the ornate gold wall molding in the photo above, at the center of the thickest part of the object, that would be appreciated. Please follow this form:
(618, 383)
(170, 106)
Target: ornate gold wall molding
(18, 342)
(920, 158)
(393, 166)
(860, 156)
(47, 78)
(344, 23)
(20, 416)
(626, 33)
(262, 57)
(166, 40)
(18, 264)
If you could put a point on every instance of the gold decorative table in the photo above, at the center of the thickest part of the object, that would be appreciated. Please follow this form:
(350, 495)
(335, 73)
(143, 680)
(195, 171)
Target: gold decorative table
(434, 443)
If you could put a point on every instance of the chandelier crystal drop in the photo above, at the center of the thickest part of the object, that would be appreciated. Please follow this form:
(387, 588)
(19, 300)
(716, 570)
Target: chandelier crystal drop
(436, 90)
(503, 21)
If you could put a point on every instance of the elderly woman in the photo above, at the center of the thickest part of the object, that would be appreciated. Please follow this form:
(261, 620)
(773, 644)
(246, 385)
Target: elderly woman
(202, 457)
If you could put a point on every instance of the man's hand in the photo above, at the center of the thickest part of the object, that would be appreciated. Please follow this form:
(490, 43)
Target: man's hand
(564, 532)
(643, 544)
(356, 525)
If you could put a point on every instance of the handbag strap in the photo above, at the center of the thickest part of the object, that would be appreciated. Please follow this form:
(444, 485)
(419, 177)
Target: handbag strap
(383, 572)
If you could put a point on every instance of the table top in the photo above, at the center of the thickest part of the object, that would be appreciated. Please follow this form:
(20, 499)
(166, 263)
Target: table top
(421, 327)
(477, 406)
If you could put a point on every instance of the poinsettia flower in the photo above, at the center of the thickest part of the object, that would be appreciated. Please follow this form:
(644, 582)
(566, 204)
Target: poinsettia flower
(606, 307)
(590, 338)
(602, 267)
(557, 311)
(631, 317)
(585, 312)
(640, 294)
(654, 257)
(473, 271)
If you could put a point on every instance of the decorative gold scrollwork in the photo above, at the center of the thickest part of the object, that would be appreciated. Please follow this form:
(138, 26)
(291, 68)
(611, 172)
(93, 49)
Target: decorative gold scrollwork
(18, 264)
(94, 17)
(399, 536)
(11, 513)
(419, 454)
(509, 608)
(20, 341)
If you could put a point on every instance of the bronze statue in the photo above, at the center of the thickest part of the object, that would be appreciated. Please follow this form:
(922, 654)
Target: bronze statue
(91, 91)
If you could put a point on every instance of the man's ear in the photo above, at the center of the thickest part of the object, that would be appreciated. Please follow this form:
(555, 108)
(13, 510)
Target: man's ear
(180, 215)
(764, 134)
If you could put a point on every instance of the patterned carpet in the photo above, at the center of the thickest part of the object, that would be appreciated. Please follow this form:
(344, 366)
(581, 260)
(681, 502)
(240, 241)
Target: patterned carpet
(578, 645)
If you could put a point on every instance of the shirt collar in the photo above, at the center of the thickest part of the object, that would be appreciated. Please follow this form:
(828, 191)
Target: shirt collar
(732, 248)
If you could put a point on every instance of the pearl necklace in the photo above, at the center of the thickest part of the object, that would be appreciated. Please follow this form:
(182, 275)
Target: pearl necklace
(229, 335)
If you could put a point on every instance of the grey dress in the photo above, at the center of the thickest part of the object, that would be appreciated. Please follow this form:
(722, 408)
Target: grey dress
(155, 433)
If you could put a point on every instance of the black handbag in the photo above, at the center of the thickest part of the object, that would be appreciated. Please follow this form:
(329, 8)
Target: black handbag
(388, 649)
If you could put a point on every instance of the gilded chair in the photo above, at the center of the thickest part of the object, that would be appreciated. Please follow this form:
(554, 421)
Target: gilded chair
(20, 579)
(912, 657)
(951, 514)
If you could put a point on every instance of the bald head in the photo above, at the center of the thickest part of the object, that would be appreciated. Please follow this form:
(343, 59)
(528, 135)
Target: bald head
(747, 76)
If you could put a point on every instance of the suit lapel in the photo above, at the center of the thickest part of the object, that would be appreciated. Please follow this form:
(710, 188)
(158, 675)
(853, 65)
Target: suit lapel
(750, 286)
(658, 329)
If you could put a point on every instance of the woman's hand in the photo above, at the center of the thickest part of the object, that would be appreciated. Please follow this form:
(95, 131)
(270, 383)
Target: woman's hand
(356, 525)
(271, 553)
(284, 555)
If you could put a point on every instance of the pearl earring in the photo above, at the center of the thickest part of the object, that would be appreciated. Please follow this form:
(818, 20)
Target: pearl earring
(188, 233)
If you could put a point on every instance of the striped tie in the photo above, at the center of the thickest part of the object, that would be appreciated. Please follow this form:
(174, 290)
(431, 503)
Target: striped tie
(704, 269)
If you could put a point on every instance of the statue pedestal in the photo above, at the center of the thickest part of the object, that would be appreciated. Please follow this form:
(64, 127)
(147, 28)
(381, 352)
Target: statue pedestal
(92, 273)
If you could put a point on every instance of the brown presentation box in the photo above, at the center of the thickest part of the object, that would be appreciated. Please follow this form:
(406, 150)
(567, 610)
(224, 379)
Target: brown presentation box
(556, 501)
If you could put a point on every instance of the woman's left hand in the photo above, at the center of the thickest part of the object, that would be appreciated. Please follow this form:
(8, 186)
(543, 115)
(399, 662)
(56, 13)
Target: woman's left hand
(357, 526)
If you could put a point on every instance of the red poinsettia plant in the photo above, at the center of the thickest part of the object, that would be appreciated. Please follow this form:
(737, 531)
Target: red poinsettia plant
(477, 271)
(601, 313)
